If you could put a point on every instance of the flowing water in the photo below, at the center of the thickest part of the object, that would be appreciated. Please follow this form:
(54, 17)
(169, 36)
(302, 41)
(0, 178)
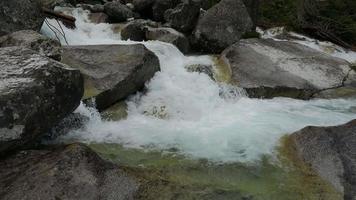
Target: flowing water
(203, 135)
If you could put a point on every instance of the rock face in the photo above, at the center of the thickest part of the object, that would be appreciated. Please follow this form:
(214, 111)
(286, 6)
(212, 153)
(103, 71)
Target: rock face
(35, 41)
(222, 25)
(169, 35)
(183, 17)
(331, 152)
(19, 15)
(252, 8)
(35, 93)
(117, 12)
(267, 68)
(69, 172)
(112, 72)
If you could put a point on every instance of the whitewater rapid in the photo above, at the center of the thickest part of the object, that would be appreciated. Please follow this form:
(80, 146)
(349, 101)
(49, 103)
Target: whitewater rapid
(202, 119)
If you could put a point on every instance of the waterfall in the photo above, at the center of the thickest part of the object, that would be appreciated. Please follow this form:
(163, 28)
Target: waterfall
(200, 118)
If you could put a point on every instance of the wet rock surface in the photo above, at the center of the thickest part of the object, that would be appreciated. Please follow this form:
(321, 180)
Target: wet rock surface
(112, 72)
(268, 68)
(35, 41)
(331, 152)
(65, 172)
(35, 93)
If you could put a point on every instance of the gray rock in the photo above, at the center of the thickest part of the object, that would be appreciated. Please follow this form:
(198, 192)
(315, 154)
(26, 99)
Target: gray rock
(112, 72)
(169, 35)
(160, 7)
(98, 18)
(19, 15)
(35, 41)
(221, 26)
(268, 68)
(117, 12)
(331, 152)
(136, 30)
(183, 17)
(65, 172)
(252, 8)
(35, 94)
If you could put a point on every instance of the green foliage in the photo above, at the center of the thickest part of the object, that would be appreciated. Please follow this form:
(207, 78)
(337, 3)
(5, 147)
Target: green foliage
(278, 13)
(213, 2)
(337, 17)
(251, 34)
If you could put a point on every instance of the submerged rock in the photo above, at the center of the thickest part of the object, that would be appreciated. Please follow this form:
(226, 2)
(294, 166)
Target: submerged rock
(19, 15)
(35, 41)
(169, 35)
(268, 68)
(98, 17)
(206, 69)
(66, 172)
(331, 152)
(73, 121)
(112, 72)
(35, 94)
(222, 25)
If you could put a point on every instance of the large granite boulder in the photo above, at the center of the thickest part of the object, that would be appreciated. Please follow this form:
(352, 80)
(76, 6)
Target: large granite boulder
(331, 152)
(112, 72)
(35, 94)
(184, 16)
(253, 9)
(117, 12)
(35, 41)
(65, 172)
(268, 68)
(19, 15)
(222, 25)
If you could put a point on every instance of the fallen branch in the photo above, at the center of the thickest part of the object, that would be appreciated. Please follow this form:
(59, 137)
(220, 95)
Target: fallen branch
(67, 20)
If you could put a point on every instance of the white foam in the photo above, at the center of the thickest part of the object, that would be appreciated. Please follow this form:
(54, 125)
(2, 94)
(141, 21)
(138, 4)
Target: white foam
(188, 112)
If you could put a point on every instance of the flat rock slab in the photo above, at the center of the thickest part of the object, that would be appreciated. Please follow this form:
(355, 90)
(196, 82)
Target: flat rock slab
(331, 152)
(35, 93)
(112, 72)
(67, 172)
(268, 68)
